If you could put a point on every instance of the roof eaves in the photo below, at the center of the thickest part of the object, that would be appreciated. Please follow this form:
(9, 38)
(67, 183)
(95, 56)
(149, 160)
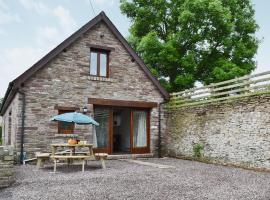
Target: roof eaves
(23, 77)
(5, 104)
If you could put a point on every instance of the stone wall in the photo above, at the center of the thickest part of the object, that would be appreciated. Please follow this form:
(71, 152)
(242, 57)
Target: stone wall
(6, 167)
(236, 132)
(14, 128)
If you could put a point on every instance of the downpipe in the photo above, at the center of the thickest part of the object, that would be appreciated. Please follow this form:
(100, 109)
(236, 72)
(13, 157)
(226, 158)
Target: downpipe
(22, 126)
(159, 128)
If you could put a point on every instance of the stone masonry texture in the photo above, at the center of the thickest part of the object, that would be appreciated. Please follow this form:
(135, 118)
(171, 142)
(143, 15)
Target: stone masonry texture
(236, 132)
(6, 167)
(14, 111)
(65, 81)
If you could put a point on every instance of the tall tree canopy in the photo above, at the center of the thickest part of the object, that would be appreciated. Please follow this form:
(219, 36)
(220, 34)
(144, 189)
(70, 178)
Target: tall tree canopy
(184, 41)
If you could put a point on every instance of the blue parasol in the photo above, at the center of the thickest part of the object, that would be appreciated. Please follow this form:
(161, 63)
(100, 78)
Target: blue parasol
(75, 117)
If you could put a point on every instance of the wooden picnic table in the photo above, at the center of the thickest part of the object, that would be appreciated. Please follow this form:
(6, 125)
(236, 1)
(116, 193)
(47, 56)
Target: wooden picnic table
(81, 156)
(73, 155)
(72, 147)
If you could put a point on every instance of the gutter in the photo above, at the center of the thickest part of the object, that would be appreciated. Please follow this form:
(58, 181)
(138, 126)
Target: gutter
(10, 86)
(22, 126)
(159, 127)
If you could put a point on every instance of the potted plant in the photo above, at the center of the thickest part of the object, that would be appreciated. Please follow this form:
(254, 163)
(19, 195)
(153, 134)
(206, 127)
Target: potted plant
(72, 140)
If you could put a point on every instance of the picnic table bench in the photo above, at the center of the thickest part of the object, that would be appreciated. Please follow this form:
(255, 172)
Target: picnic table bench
(41, 158)
(69, 158)
(102, 157)
(82, 158)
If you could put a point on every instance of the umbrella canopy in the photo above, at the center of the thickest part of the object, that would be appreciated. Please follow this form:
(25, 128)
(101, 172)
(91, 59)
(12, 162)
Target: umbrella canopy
(75, 117)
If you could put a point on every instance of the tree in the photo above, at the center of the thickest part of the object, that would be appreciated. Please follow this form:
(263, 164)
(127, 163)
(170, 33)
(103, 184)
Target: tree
(1, 101)
(184, 41)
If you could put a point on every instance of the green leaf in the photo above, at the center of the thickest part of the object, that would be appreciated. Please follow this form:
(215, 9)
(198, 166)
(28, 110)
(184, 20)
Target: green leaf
(184, 41)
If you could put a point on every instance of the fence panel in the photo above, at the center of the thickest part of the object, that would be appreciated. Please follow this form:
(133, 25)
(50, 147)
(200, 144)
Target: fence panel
(230, 89)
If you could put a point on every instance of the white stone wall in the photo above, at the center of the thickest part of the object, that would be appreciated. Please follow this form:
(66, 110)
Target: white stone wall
(237, 132)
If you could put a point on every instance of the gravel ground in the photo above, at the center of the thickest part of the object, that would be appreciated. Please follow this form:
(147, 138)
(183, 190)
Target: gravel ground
(126, 180)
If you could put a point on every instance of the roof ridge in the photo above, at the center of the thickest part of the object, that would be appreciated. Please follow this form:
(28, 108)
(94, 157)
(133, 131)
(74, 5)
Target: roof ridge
(85, 26)
(16, 83)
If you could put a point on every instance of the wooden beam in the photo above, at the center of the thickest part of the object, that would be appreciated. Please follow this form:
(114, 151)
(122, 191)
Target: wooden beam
(106, 48)
(56, 107)
(122, 103)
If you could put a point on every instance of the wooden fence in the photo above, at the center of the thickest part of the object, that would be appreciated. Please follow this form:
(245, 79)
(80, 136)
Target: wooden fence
(230, 89)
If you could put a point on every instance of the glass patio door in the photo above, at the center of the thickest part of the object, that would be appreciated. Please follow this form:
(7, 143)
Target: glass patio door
(103, 116)
(140, 131)
(139, 128)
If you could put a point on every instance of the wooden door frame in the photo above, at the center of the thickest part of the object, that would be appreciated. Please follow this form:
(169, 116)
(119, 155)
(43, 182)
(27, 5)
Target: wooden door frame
(132, 150)
(140, 150)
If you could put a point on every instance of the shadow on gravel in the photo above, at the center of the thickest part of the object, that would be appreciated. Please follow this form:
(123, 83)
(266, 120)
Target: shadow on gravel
(71, 168)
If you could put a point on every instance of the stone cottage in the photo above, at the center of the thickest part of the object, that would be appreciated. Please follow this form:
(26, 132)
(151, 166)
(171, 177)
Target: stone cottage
(94, 70)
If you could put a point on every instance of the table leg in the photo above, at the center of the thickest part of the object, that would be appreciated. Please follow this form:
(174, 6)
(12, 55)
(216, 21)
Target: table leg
(83, 162)
(53, 150)
(38, 163)
(42, 163)
(103, 163)
(54, 168)
(91, 151)
(72, 151)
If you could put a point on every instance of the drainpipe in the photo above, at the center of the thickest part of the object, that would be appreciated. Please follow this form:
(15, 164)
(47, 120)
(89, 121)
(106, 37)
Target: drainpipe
(22, 126)
(159, 128)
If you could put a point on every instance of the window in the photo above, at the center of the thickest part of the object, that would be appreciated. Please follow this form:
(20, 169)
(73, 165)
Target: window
(65, 127)
(99, 63)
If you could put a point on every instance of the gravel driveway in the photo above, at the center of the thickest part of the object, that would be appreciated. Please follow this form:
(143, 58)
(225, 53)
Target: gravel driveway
(166, 179)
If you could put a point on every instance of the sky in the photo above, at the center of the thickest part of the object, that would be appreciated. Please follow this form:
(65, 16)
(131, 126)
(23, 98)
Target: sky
(29, 29)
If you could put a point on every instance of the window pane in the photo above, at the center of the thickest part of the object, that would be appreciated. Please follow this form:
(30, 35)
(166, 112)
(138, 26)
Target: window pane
(102, 116)
(139, 129)
(65, 127)
(93, 63)
(103, 64)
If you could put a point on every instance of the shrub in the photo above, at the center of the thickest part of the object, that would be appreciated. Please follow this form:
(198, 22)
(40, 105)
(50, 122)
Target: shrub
(198, 150)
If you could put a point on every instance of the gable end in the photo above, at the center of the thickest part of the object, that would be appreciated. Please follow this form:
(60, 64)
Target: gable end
(16, 84)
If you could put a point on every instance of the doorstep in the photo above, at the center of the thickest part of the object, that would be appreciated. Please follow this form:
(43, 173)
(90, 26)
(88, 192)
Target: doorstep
(130, 156)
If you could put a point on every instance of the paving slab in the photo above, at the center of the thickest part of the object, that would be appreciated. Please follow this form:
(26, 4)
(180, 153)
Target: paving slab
(140, 162)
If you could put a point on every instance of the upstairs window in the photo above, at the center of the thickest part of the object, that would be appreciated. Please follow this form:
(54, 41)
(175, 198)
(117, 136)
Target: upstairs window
(99, 63)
